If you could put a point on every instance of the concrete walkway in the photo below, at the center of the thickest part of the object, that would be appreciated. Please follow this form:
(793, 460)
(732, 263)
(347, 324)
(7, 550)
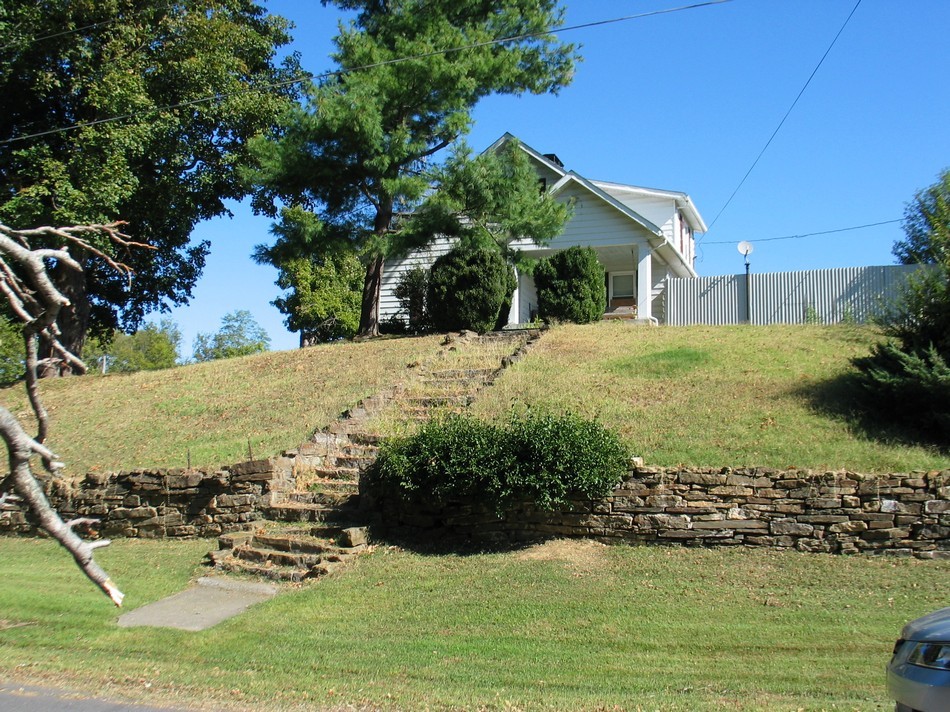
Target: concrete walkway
(212, 600)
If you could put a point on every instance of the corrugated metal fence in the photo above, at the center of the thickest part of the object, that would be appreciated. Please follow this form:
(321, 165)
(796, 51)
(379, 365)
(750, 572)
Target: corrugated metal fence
(825, 296)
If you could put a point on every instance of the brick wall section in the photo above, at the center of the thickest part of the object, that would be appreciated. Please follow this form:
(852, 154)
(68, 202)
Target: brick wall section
(165, 503)
(835, 512)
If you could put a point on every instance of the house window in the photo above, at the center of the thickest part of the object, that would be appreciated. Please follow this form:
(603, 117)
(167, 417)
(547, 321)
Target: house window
(622, 290)
(622, 285)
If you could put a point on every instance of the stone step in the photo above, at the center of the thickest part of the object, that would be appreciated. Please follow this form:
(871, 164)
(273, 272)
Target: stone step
(367, 439)
(350, 474)
(301, 542)
(461, 401)
(421, 414)
(351, 462)
(337, 487)
(301, 512)
(290, 559)
(467, 374)
(277, 573)
(331, 494)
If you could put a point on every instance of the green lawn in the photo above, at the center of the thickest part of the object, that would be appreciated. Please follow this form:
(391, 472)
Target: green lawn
(565, 626)
(212, 411)
(776, 396)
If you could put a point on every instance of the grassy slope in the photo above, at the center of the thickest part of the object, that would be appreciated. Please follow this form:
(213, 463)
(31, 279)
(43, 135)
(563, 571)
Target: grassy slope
(715, 396)
(739, 396)
(563, 626)
(275, 400)
(567, 626)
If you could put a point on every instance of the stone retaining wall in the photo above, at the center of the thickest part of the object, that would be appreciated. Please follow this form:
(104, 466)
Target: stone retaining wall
(835, 512)
(838, 512)
(164, 503)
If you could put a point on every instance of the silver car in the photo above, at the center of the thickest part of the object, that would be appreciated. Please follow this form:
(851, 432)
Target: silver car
(918, 676)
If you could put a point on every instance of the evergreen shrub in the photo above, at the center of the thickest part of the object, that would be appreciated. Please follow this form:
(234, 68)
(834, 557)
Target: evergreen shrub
(468, 288)
(570, 286)
(410, 292)
(541, 458)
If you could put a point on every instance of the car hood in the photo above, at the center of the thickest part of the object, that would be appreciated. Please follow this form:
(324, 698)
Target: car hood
(934, 627)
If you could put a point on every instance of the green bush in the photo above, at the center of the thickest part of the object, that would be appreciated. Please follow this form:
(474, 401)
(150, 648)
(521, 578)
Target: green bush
(468, 288)
(570, 286)
(915, 385)
(410, 292)
(540, 458)
(906, 378)
(12, 352)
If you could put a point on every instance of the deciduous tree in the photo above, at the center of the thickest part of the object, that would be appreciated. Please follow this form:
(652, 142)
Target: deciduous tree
(239, 335)
(189, 82)
(153, 347)
(359, 156)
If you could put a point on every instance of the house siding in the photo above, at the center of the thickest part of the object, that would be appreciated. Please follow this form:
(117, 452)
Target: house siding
(394, 269)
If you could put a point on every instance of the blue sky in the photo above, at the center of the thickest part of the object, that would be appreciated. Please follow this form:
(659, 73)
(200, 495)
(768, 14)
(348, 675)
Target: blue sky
(686, 101)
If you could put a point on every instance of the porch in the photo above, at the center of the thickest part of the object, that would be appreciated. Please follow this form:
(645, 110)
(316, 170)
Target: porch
(629, 283)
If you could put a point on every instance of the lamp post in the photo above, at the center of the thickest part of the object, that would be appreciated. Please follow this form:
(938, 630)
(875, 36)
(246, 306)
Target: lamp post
(745, 249)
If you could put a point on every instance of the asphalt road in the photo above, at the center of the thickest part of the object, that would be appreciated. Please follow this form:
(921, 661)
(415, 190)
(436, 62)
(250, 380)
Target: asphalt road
(28, 698)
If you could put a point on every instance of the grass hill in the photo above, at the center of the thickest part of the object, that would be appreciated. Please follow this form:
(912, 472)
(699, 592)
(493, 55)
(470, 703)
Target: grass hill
(775, 396)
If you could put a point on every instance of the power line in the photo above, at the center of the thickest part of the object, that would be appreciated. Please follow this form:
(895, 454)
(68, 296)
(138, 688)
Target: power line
(74, 30)
(63, 33)
(782, 122)
(326, 75)
(809, 234)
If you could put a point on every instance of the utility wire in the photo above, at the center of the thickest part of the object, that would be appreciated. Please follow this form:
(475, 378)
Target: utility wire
(74, 30)
(341, 72)
(808, 234)
(782, 122)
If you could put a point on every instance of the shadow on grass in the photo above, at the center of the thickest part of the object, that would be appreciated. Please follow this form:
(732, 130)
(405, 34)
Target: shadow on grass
(845, 399)
(456, 543)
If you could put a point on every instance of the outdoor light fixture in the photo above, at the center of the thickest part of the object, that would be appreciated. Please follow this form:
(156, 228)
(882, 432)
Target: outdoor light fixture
(745, 249)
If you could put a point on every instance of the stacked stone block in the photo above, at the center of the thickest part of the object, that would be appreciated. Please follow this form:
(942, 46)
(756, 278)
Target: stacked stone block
(833, 512)
(165, 503)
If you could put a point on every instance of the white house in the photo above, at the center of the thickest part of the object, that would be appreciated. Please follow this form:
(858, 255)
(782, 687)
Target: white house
(641, 236)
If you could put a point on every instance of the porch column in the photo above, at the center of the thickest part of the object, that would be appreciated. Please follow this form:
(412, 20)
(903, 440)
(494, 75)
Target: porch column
(644, 282)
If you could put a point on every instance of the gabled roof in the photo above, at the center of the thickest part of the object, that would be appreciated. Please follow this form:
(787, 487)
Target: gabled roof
(610, 193)
(539, 157)
(573, 177)
(682, 200)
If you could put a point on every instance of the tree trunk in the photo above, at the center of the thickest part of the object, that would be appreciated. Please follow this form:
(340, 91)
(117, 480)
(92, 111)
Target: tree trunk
(369, 308)
(73, 322)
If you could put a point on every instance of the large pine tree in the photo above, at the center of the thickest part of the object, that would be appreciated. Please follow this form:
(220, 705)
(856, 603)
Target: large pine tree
(360, 155)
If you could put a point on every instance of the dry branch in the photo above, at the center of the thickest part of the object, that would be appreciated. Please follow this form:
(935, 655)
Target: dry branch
(34, 298)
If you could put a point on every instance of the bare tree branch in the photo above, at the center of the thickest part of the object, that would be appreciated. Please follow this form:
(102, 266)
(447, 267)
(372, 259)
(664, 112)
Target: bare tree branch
(35, 300)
